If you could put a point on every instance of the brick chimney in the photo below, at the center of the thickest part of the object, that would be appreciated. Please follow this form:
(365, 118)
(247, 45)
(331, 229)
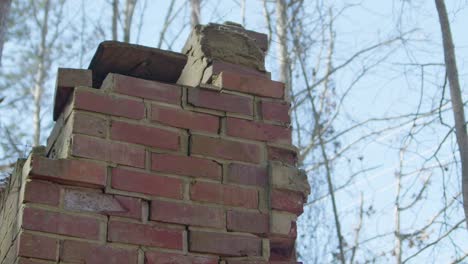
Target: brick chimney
(159, 158)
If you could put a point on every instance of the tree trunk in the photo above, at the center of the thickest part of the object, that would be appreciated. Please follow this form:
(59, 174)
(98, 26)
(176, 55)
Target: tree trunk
(456, 98)
(115, 17)
(40, 75)
(243, 5)
(195, 12)
(4, 11)
(398, 239)
(282, 32)
(129, 11)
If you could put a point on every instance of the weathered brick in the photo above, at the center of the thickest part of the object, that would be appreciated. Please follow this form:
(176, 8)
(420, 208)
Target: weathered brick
(88, 124)
(187, 214)
(257, 131)
(285, 156)
(82, 252)
(224, 194)
(274, 111)
(225, 244)
(247, 174)
(250, 222)
(289, 201)
(290, 178)
(107, 104)
(114, 152)
(42, 192)
(218, 66)
(36, 246)
(34, 261)
(185, 165)
(145, 135)
(225, 149)
(157, 91)
(250, 84)
(220, 101)
(282, 249)
(145, 235)
(69, 171)
(133, 207)
(146, 183)
(85, 201)
(173, 258)
(184, 119)
(236, 261)
(283, 223)
(67, 77)
(62, 224)
(67, 80)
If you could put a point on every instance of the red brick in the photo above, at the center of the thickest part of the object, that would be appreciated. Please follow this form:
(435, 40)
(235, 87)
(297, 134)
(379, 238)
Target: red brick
(152, 90)
(100, 203)
(250, 84)
(257, 131)
(282, 249)
(287, 201)
(67, 80)
(274, 111)
(187, 214)
(111, 105)
(78, 172)
(225, 149)
(221, 66)
(172, 258)
(286, 156)
(62, 224)
(33, 261)
(220, 101)
(114, 152)
(146, 183)
(184, 165)
(283, 224)
(82, 252)
(133, 207)
(249, 222)
(224, 194)
(184, 119)
(145, 235)
(225, 244)
(247, 175)
(235, 261)
(261, 40)
(145, 135)
(87, 124)
(42, 192)
(36, 246)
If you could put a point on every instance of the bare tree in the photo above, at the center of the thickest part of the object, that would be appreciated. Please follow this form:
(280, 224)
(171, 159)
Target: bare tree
(282, 33)
(115, 19)
(4, 11)
(40, 77)
(169, 18)
(243, 5)
(195, 12)
(317, 106)
(129, 11)
(456, 97)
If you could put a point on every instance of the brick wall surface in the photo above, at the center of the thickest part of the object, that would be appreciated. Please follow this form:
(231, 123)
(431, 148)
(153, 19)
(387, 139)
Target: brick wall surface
(141, 171)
